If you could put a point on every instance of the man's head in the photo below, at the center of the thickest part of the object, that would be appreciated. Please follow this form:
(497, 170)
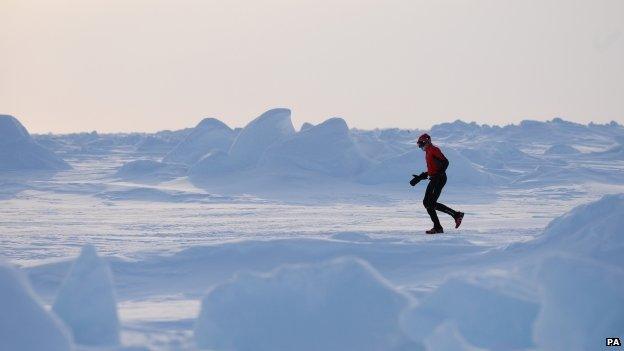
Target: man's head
(424, 141)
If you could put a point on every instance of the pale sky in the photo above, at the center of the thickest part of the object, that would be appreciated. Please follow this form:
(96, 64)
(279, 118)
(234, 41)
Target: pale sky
(147, 65)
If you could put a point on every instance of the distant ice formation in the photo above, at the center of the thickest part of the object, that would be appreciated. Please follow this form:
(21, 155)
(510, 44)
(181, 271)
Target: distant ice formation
(306, 126)
(277, 158)
(19, 151)
(208, 136)
(155, 145)
(214, 164)
(270, 127)
(325, 148)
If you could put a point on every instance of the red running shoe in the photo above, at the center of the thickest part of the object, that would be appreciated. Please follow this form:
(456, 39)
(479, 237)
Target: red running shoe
(435, 231)
(458, 219)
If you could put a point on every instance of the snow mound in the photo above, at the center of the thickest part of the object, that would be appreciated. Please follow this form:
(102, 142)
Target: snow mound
(380, 145)
(396, 169)
(155, 145)
(86, 301)
(325, 148)
(341, 305)
(499, 155)
(582, 304)
(25, 325)
(210, 134)
(306, 126)
(19, 151)
(613, 153)
(446, 337)
(485, 317)
(216, 163)
(270, 127)
(590, 230)
(463, 172)
(561, 149)
(457, 130)
(12, 130)
(150, 170)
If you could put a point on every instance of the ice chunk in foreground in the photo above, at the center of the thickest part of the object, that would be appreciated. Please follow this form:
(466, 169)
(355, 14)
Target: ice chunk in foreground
(582, 304)
(484, 317)
(590, 230)
(24, 324)
(86, 301)
(338, 305)
(446, 338)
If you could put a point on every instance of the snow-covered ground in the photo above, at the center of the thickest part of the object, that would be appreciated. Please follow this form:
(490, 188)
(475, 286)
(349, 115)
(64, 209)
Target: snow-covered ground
(314, 241)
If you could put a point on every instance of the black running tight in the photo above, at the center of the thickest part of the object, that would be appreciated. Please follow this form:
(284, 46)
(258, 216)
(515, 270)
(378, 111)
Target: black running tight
(434, 189)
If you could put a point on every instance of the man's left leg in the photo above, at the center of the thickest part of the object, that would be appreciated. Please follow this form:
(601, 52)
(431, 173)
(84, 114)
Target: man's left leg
(457, 216)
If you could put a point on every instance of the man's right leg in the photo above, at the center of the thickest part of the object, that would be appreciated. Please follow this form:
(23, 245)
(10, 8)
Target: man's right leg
(443, 208)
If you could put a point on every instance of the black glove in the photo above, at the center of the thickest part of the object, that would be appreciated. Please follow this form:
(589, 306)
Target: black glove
(418, 178)
(415, 180)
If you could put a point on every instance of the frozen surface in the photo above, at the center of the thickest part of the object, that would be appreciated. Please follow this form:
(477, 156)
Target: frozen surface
(284, 205)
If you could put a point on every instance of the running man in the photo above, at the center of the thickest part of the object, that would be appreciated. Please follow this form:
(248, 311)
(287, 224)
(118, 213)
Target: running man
(437, 164)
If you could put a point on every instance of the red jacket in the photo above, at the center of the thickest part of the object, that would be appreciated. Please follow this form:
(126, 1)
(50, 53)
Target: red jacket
(436, 161)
